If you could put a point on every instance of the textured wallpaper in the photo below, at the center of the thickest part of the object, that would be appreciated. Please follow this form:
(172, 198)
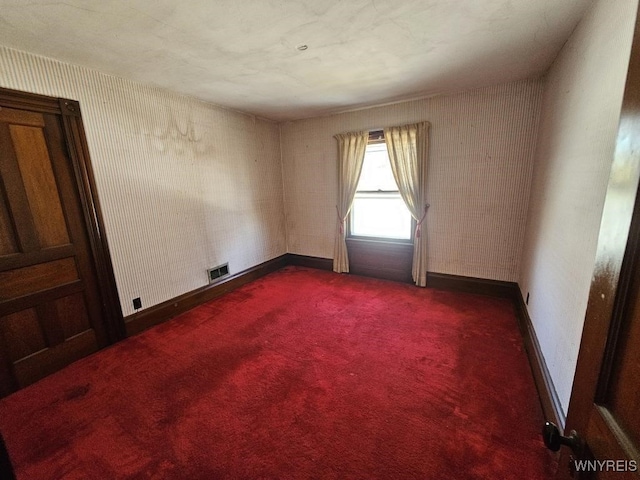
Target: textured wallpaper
(482, 145)
(578, 129)
(184, 185)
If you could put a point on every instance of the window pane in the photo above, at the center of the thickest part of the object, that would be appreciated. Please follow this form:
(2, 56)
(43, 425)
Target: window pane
(376, 170)
(380, 215)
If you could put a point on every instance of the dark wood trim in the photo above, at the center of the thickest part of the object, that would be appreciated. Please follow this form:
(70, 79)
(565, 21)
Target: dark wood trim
(6, 469)
(29, 101)
(19, 260)
(69, 107)
(48, 295)
(549, 400)
(73, 129)
(8, 383)
(387, 260)
(14, 194)
(78, 151)
(480, 286)
(624, 299)
(171, 308)
(311, 262)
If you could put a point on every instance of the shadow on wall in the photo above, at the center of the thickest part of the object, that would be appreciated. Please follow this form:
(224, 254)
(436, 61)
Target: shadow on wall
(185, 187)
(164, 236)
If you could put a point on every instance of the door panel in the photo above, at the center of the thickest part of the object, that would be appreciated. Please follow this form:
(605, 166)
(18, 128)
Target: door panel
(51, 308)
(8, 244)
(40, 185)
(14, 116)
(19, 221)
(613, 427)
(622, 397)
(22, 333)
(34, 278)
(32, 368)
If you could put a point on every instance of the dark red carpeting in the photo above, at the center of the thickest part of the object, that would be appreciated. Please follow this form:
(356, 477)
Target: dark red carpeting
(302, 374)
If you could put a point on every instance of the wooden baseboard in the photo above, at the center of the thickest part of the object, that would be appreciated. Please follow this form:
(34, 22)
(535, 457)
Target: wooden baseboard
(164, 311)
(480, 286)
(551, 406)
(549, 400)
(311, 262)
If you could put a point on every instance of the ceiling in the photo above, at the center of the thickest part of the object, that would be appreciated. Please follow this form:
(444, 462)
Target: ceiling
(242, 54)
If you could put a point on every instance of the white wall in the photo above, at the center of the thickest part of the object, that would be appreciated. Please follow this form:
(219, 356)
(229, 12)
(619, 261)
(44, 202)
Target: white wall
(184, 185)
(580, 112)
(481, 154)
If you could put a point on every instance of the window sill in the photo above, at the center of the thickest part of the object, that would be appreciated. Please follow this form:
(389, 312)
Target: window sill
(381, 241)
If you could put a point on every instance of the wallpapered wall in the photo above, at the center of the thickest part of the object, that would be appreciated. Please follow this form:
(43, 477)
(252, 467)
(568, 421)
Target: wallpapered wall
(184, 185)
(481, 154)
(578, 129)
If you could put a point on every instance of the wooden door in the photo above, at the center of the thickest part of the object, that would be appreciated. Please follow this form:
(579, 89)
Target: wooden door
(604, 409)
(52, 309)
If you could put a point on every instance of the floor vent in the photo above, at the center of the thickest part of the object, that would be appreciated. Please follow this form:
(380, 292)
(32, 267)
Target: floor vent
(216, 273)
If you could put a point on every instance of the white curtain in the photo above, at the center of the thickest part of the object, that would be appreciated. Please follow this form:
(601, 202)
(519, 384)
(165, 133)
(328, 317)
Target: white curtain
(351, 148)
(408, 148)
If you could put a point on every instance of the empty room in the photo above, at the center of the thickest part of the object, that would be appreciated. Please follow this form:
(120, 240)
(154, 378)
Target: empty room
(319, 239)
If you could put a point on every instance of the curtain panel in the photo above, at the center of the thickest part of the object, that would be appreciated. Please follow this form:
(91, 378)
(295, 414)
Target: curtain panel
(408, 148)
(351, 149)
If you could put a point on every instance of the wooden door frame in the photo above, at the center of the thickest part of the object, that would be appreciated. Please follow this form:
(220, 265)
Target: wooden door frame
(617, 255)
(78, 152)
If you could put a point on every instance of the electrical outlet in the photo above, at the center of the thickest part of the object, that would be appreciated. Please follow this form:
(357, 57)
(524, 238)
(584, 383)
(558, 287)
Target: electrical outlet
(137, 303)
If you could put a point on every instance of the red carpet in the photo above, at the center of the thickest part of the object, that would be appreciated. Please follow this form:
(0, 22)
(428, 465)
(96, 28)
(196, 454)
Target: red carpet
(302, 374)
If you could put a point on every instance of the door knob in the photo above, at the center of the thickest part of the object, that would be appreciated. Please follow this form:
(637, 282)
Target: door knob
(553, 440)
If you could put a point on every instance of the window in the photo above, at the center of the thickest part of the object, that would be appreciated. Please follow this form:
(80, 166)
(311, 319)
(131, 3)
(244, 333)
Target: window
(378, 210)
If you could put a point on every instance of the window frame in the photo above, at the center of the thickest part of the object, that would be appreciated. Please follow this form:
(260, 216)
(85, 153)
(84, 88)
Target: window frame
(377, 137)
